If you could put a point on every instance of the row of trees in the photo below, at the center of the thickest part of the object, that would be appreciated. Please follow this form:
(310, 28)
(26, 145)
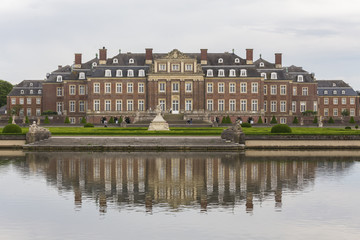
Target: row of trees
(5, 89)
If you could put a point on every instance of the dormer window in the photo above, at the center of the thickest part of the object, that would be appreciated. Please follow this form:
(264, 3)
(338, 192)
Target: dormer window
(262, 64)
(107, 73)
(343, 92)
(82, 75)
(273, 75)
(220, 60)
(21, 91)
(94, 64)
(243, 73)
(221, 73)
(131, 61)
(237, 60)
(326, 92)
(232, 73)
(31, 91)
(300, 78)
(263, 75)
(141, 73)
(130, 73)
(115, 60)
(334, 92)
(39, 91)
(209, 73)
(119, 73)
(59, 79)
(334, 84)
(31, 84)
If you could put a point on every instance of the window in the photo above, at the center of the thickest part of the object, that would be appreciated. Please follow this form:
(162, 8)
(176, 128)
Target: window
(282, 120)
(13, 101)
(28, 111)
(273, 106)
(293, 106)
(188, 105)
(263, 75)
(209, 88)
(210, 105)
(300, 78)
(232, 105)
(107, 73)
(273, 75)
(326, 101)
(107, 87)
(334, 92)
(221, 105)
(31, 84)
(335, 112)
(326, 92)
(352, 101)
(119, 73)
(28, 101)
(282, 106)
(335, 101)
(220, 87)
(94, 64)
(130, 105)
(343, 92)
(130, 88)
(220, 60)
(175, 67)
(162, 67)
(21, 91)
(38, 112)
(282, 89)
(141, 73)
(107, 105)
(243, 103)
(39, 91)
(221, 73)
(59, 91)
(302, 106)
(232, 88)
(96, 105)
(38, 101)
(294, 91)
(343, 100)
(352, 112)
(96, 87)
(237, 60)
(162, 87)
(273, 89)
(21, 101)
(188, 87)
(81, 106)
(261, 64)
(81, 75)
(232, 73)
(115, 60)
(265, 90)
(188, 67)
(175, 87)
(141, 88)
(72, 106)
(326, 112)
(130, 73)
(131, 61)
(81, 90)
(254, 87)
(59, 107)
(72, 120)
(243, 73)
(59, 78)
(315, 106)
(72, 89)
(254, 105)
(162, 103)
(118, 106)
(209, 73)
(118, 87)
(31, 91)
(243, 87)
(304, 91)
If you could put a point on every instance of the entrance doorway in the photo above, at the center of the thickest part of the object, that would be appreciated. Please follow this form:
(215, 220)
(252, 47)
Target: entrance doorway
(175, 106)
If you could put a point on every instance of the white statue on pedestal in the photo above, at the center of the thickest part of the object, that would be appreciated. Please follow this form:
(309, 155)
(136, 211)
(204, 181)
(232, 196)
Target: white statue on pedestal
(159, 123)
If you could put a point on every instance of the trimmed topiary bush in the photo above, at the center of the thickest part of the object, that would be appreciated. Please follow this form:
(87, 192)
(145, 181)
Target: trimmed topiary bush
(120, 120)
(10, 120)
(260, 121)
(356, 126)
(46, 121)
(67, 120)
(11, 128)
(228, 119)
(352, 120)
(281, 128)
(273, 120)
(111, 120)
(83, 120)
(315, 120)
(88, 125)
(347, 127)
(246, 125)
(331, 120)
(27, 120)
(295, 121)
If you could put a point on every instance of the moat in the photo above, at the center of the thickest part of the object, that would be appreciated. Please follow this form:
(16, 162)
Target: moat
(251, 195)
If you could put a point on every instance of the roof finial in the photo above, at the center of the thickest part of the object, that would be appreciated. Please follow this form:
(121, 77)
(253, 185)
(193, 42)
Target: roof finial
(233, 51)
(119, 50)
(260, 55)
(96, 55)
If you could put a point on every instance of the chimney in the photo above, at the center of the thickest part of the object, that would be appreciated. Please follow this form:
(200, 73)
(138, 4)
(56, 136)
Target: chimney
(278, 60)
(249, 56)
(148, 56)
(203, 56)
(77, 60)
(59, 67)
(102, 53)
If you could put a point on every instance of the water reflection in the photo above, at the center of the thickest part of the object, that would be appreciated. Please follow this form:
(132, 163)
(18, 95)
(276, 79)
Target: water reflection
(176, 181)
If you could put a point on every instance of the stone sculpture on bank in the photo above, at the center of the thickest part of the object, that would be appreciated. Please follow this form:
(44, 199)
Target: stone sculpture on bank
(37, 133)
(159, 123)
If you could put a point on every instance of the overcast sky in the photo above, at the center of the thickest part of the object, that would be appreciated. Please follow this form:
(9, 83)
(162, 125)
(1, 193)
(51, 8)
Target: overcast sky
(322, 36)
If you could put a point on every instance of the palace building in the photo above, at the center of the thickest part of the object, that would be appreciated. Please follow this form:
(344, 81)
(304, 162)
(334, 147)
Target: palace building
(199, 85)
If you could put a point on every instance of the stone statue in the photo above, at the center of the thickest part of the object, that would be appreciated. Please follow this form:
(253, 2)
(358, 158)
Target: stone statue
(158, 123)
(158, 109)
(320, 124)
(13, 120)
(37, 133)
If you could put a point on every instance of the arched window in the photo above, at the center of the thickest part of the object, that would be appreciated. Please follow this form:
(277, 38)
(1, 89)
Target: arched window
(221, 73)
(263, 75)
(21, 91)
(59, 78)
(131, 60)
(81, 75)
(334, 92)
(273, 75)
(326, 92)
(39, 91)
(94, 64)
(141, 73)
(209, 73)
(262, 64)
(31, 91)
(31, 84)
(243, 73)
(232, 73)
(220, 60)
(342, 91)
(107, 73)
(119, 73)
(130, 73)
(115, 60)
(237, 60)
(300, 78)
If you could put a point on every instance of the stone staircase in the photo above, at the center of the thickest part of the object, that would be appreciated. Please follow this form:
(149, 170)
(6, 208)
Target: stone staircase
(174, 118)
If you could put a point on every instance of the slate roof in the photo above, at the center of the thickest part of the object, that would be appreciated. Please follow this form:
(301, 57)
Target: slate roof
(26, 87)
(266, 64)
(335, 88)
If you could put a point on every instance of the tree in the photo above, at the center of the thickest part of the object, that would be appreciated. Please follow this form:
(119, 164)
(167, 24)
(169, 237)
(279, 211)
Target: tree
(260, 121)
(111, 120)
(352, 120)
(83, 120)
(273, 120)
(10, 120)
(46, 121)
(315, 120)
(27, 120)
(16, 109)
(295, 121)
(5, 89)
(345, 113)
(67, 120)
(331, 120)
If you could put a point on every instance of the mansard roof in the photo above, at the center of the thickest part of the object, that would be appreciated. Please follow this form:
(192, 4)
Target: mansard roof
(100, 71)
(335, 88)
(25, 86)
(266, 64)
(123, 59)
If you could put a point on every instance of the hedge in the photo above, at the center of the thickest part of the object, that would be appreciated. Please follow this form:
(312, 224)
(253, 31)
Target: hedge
(12, 128)
(281, 128)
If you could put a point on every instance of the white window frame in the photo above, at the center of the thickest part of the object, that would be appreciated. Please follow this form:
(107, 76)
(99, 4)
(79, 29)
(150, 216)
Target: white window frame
(118, 87)
(243, 87)
(188, 104)
(130, 87)
(273, 106)
(81, 75)
(107, 87)
(175, 87)
(273, 89)
(210, 88)
(221, 87)
(72, 89)
(221, 105)
(141, 88)
(96, 87)
(141, 73)
(221, 73)
(254, 87)
(243, 105)
(232, 73)
(209, 73)
(107, 105)
(282, 89)
(130, 73)
(96, 105)
(232, 87)
(72, 107)
(107, 73)
(119, 73)
(273, 75)
(141, 105)
(162, 86)
(243, 73)
(305, 91)
(188, 87)
(232, 105)
(282, 106)
(210, 105)
(118, 106)
(254, 105)
(130, 105)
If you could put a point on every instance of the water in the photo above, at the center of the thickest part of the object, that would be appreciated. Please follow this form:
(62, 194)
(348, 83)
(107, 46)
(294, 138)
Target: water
(257, 195)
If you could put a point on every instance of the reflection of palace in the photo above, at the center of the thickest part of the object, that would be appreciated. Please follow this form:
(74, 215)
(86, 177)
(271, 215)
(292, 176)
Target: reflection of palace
(177, 180)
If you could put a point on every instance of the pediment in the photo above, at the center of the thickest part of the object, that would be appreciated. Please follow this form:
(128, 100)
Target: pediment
(176, 54)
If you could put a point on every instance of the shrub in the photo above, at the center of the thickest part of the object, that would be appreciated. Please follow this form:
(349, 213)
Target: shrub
(246, 125)
(10, 120)
(295, 121)
(83, 120)
(260, 121)
(120, 120)
(88, 125)
(228, 119)
(111, 120)
(27, 120)
(315, 120)
(281, 128)
(46, 121)
(356, 126)
(331, 120)
(223, 120)
(273, 120)
(49, 113)
(11, 128)
(352, 120)
(67, 120)
(347, 127)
